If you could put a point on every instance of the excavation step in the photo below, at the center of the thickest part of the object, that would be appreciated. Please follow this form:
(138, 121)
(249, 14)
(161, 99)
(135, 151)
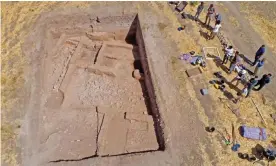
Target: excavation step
(124, 133)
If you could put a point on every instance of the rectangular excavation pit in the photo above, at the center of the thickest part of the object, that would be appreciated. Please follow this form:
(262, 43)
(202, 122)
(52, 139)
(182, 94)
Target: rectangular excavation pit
(131, 120)
(193, 72)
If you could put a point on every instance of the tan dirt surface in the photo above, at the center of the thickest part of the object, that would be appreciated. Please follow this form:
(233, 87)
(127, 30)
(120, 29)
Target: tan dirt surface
(67, 95)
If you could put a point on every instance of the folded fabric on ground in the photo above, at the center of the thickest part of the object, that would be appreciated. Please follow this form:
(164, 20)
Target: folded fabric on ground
(185, 57)
(253, 133)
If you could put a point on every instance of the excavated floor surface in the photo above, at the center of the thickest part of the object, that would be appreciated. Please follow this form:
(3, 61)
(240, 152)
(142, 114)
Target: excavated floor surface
(85, 107)
(91, 104)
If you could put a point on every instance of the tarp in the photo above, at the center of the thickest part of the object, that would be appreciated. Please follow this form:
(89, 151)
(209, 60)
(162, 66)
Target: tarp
(253, 133)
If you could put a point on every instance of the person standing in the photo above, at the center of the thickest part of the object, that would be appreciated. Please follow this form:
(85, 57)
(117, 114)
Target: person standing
(218, 17)
(215, 30)
(199, 10)
(228, 53)
(236, 60)
(258, 54)
(241, 76)
(252, 82)
(210, 12)
(263, 81)
(260, 64)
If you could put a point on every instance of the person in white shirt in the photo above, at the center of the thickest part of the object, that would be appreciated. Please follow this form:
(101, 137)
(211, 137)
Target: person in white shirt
(228, 54)
(240, 77)
(215, 30)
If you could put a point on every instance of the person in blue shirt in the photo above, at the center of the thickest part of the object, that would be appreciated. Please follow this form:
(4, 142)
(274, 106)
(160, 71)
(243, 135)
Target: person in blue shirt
(218, 17)
(260, 64)
(258, 54)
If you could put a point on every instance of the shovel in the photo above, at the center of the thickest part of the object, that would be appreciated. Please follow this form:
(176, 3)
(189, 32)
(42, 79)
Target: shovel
(227, 141)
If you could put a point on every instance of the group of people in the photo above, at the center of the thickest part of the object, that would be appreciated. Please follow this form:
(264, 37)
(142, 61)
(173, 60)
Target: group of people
(230, 54)
(236, 64)
(234, 56)
(211, 12)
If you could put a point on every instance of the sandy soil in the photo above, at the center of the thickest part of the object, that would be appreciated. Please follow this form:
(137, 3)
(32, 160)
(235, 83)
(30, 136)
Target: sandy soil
(245, 43)
(184, 112)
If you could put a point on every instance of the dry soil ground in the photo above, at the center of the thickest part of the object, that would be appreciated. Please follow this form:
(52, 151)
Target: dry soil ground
(45, 49)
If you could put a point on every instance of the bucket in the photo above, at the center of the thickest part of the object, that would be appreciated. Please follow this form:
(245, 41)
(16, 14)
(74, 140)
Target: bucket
(180, 28)
(243, 156)
(210, 129)
(271, 158)
(236, 147)
(251, 158)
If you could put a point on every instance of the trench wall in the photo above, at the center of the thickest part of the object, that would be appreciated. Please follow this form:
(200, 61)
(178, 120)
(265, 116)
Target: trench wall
(154, 111)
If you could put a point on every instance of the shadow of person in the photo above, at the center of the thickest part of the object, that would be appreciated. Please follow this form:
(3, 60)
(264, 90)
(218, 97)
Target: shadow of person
(245, 59)
(249, 71)
(203, 25)
(230, 86)
(258, 151)
(211, 56)
(228, 94)
(204, 34)
(189, 16)
(219, 64)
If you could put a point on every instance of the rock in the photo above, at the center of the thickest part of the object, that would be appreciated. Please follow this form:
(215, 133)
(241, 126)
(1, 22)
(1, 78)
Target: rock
(55, 100)
(98, 20)
(137, 75)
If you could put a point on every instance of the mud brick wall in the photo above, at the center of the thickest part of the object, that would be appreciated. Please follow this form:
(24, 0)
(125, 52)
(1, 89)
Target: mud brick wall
(149, 86)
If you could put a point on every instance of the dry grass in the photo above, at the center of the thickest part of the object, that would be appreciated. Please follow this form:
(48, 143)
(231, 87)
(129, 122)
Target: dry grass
(234, 21)
(261, 24)
(8, 139)
(223, 115)
(220, 4)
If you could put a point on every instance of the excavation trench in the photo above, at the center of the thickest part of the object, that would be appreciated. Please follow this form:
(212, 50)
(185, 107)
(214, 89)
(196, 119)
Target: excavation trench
(98, 97)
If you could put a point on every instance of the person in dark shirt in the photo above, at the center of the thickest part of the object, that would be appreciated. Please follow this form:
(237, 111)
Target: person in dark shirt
(258, 54)
(252, 82)
(199, 10)
(262, 82)
(259, 65)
